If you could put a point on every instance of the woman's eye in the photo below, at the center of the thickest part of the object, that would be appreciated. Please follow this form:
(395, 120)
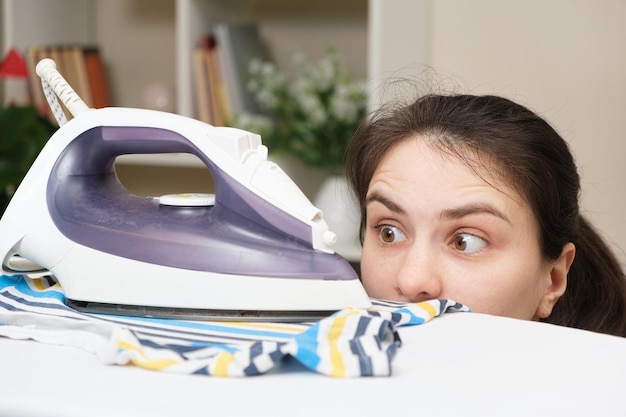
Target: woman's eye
(390, 234)
(465, 242)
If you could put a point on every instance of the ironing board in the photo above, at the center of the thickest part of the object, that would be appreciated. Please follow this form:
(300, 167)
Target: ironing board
(470, 364)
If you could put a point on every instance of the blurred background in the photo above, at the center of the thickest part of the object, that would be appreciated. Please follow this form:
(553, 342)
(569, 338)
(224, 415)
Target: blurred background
(565, 59)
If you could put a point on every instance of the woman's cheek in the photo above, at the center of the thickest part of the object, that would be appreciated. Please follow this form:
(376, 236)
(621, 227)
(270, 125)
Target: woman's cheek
(373, 273)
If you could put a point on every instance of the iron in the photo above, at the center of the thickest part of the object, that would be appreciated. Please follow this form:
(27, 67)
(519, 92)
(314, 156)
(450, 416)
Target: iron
(255, 250)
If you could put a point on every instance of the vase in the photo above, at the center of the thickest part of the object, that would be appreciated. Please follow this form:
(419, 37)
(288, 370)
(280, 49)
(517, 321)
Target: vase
(340, 210)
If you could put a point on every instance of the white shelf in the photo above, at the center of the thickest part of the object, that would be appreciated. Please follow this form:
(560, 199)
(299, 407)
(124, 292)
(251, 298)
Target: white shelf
(171, 159)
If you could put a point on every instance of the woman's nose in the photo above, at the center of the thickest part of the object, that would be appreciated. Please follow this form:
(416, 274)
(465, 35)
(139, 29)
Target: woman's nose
(418, 278)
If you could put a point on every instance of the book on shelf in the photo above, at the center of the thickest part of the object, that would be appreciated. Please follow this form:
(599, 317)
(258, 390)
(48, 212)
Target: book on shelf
(75, 71)
(221, 70)
(202, 87)
(97, 77)
(37, 98)
(212, 105)
(238, 44)
(81, 66)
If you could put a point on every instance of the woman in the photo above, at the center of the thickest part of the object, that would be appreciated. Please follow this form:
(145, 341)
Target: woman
(475, 199)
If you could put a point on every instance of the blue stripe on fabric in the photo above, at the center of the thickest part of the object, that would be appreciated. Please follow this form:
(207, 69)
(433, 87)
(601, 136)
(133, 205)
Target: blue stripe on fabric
(392, 349)
(259, 349)
(193, 337)
(255, 351)
(7, 281)
(449, 306)
(387, 303)
(361, 328)
(172, 333)
(307, 347)
(413, 319)
(251, 369)
(23, 301)
(182, 350)
(202, 371)
(383, 329)
(278, 353)
(10, 307)
(21, 285)
(207, 326)
(365, 363)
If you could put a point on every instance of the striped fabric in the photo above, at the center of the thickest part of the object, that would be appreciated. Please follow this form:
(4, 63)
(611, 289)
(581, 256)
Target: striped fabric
(349, 343)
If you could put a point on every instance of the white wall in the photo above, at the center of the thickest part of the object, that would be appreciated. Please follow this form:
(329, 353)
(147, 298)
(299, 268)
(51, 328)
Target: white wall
(566, 59)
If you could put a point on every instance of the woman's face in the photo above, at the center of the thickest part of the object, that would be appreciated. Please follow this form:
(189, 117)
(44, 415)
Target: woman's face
(435, 229)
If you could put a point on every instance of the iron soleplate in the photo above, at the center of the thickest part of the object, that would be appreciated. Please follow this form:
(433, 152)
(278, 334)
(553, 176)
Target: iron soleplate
(199, 314)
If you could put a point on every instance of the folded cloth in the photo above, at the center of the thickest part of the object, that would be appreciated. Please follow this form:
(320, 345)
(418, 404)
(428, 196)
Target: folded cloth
(349, 343)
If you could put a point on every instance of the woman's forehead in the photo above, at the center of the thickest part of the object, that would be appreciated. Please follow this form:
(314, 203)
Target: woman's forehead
(444, 153)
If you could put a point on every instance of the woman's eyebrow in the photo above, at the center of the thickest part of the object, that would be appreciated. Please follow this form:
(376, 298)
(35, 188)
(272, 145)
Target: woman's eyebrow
(375, 196)
(472, 208)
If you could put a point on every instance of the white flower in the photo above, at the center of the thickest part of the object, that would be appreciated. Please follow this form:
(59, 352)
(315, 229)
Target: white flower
(324, 75)
(313, 110)
(267, 99)
(254, 122)
(347, 101)
(254, 66)
(299, 87)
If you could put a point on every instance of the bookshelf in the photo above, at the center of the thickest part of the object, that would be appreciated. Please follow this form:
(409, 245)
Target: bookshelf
(148, 45)
(160, 34)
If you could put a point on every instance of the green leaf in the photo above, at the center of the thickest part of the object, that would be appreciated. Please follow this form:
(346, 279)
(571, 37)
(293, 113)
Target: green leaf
(23, 133)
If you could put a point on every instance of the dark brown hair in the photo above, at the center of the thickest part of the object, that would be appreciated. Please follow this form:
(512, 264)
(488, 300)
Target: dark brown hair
(530, 156)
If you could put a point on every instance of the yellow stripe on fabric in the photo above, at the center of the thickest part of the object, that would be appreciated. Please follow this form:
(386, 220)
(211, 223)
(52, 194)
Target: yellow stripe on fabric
(334, 334)
(428, 307)
(269, 326)
(223, 363)
(38, 284)
(152, 364)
